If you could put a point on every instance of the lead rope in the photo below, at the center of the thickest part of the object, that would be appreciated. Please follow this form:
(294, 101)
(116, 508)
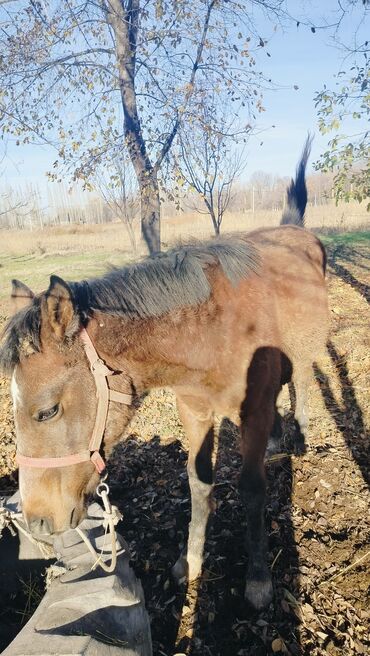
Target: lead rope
(111, 518)
(9, 519)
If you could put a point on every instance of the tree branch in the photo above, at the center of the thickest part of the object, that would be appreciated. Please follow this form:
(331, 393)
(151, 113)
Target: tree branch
(190, 87)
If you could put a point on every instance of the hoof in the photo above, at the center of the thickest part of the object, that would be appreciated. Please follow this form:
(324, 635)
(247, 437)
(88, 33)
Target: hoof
(187, 568)
(258, 593)
(299, 444)
(300, 447)
(273, 447)
(180, 570)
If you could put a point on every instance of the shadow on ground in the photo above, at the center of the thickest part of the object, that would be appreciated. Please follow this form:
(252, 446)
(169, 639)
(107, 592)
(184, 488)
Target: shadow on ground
(351, 257)
(348, 417)
(211, 616)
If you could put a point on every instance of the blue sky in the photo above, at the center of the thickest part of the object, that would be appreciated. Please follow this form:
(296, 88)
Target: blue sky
(308, 60)
(298, 57)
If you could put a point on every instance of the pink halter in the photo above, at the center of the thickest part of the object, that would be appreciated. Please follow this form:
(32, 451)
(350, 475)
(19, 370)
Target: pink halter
(100, 372)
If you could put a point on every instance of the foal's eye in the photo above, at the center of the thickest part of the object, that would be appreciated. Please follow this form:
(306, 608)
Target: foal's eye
(44, 415)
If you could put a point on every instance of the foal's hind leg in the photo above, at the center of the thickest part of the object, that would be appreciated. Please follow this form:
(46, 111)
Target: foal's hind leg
(274, 440)
(198, 425)
(301, 379)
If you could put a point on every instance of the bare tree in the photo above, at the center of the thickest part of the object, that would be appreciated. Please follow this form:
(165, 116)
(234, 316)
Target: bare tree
(89, 77)
(115, 183)
(261, 185)
(208, 161)
(9, 206)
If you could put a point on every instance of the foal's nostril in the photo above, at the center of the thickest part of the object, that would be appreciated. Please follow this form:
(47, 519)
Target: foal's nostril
(74, 518)
(41, 526)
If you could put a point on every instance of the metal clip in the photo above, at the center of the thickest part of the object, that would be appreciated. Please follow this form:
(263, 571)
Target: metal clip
(100, 368)
(102, 488)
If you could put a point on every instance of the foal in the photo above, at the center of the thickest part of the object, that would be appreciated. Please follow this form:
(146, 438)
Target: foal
(224, 323)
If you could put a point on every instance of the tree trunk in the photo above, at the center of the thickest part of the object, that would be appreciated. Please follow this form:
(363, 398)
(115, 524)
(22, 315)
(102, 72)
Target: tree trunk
(124, 21)
(150, 212)
(216, 226)
(210, 207)
(125, 25)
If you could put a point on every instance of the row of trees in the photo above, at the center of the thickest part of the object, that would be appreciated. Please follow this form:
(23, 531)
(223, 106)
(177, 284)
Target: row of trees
(117, 81)
(29, 209)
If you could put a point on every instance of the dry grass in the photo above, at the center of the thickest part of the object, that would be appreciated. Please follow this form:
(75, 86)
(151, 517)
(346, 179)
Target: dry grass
(112, 238)
(325, 218)
(65, 239)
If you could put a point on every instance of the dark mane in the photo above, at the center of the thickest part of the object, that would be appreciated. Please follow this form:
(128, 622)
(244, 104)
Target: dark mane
(175, 279)
(22, 333)
(167, 281)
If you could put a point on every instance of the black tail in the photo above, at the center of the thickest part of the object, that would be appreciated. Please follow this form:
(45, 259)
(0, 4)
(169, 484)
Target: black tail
(297, 191)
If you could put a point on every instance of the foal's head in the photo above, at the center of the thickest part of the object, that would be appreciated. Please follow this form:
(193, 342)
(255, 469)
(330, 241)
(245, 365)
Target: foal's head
(54, 398)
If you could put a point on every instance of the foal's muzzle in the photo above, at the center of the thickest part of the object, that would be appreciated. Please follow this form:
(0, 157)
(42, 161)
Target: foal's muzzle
(41, 526)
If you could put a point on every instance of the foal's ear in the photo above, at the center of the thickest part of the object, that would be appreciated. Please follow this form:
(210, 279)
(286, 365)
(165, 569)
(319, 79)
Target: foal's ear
(60, 308)
(21, 295)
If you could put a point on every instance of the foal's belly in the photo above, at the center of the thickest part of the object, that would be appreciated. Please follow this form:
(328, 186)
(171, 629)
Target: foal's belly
(223, 398)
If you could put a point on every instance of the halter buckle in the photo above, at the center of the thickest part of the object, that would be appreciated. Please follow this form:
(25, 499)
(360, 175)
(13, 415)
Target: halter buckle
(99, 368)
(98, 462)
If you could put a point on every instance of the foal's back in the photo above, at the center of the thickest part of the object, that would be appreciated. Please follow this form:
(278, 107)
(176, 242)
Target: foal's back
(293, 278)
(283, 303)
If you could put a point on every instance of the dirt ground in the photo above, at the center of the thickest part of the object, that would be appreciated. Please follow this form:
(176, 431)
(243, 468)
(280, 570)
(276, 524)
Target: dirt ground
(317, 511)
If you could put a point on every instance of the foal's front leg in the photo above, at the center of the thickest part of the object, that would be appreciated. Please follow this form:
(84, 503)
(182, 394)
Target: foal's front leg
(198, 425)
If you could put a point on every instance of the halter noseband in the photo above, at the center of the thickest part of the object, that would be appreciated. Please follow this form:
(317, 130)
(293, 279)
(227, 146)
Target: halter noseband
(100, 371)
